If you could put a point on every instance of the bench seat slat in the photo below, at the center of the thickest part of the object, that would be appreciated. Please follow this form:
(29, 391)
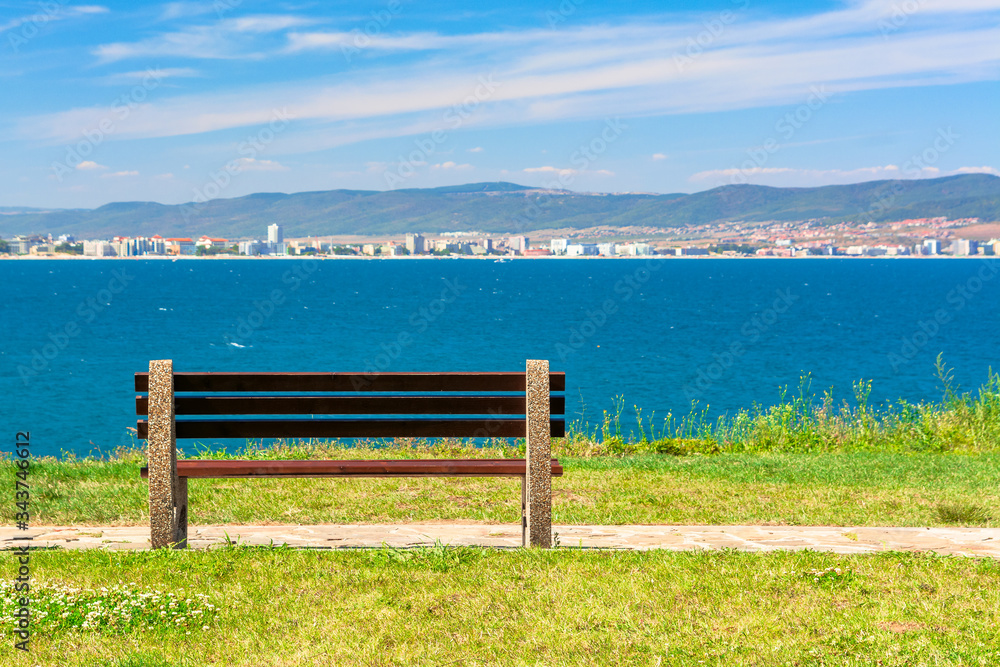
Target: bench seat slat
(354, 428)
(387, 468)
(349, 382)
(350, 405)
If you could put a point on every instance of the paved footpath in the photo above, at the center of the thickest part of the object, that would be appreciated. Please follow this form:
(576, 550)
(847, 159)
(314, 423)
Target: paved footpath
(844, 540)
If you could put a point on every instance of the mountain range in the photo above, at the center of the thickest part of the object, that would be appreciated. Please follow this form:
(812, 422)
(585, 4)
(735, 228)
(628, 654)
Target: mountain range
(511, 208)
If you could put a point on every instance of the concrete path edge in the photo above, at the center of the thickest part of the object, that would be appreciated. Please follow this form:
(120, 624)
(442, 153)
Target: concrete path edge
(983, 542)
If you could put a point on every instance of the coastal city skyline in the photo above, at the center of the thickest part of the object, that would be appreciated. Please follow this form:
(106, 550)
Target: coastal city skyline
(919, 238)
(172, 102)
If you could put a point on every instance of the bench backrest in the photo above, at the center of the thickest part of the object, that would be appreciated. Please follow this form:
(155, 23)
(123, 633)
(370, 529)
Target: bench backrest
(352, 405)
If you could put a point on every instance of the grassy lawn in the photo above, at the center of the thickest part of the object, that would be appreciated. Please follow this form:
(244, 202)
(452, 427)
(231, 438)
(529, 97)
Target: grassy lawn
(847, 488)
(805, 460)
(795, 463)
(470, 606)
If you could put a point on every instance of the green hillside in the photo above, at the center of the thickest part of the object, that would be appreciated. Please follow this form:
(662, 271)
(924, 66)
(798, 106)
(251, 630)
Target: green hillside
(511, 208)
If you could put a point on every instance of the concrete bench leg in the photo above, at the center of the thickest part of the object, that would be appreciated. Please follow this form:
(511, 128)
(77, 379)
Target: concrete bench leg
(537, 485)
(524, 511)
(167, 492)
(181, 512)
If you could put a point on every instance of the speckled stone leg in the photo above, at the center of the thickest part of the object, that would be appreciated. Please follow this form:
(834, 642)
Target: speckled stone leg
(161, 452)
(538, 510)
(524, 511)
(181, 512)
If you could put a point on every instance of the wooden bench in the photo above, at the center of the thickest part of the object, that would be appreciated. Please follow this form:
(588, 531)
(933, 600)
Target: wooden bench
(348, 405)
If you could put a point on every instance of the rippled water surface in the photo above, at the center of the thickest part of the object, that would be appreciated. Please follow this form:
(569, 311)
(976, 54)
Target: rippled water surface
(661, 333)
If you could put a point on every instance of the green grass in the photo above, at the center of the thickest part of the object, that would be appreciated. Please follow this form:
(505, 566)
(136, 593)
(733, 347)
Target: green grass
(802, 461)
(468, 606)
(851, 488)
(960, 422)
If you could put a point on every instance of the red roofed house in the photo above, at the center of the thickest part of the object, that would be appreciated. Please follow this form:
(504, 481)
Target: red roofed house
(209, 242)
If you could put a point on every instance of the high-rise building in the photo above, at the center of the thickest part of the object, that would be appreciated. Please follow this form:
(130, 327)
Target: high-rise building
(415, 244)
(518, 244)
(966, 247)
(558, 246)
(931, 247)
(275, 234)
(276, 239)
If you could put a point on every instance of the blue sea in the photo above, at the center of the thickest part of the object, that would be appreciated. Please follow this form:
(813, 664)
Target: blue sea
(660, 333)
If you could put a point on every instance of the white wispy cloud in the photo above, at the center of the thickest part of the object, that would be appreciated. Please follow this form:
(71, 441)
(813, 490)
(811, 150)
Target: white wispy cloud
(423, 41)
(157, 73)
(477, 149)
(659, 156)
(978, 170)
(52, 13)
(266, 23)
(795, 177)
(589, 72)
(548, 169)
(182, 10)
(449, 165)
(253, 164)
(89, 165)
(223, 40)
(120, 174)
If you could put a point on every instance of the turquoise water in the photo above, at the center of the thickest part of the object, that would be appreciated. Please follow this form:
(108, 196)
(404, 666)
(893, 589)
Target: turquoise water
(661, 333)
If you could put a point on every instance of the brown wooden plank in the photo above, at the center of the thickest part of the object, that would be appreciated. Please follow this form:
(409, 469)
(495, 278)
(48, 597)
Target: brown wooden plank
(354, 428)
(387, 468)
(260, 382)
(351, 405)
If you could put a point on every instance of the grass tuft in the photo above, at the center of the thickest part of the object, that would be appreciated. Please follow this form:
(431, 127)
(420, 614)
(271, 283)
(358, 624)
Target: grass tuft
(437, 558)
(803, 422)
(962, 514)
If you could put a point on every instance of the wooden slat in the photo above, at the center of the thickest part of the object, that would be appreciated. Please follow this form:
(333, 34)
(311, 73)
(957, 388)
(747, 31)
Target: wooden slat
(389, 468)
(349, 382)
(354, 428)
(350, 405)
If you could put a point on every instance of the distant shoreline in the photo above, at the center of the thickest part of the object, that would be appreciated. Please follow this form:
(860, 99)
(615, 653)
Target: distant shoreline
(493, 258)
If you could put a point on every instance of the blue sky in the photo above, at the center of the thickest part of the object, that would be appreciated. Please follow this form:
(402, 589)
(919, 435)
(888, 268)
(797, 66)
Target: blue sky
(174, 102)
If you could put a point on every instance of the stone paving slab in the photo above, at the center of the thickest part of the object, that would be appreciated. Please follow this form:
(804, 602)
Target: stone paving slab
(844, 540)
